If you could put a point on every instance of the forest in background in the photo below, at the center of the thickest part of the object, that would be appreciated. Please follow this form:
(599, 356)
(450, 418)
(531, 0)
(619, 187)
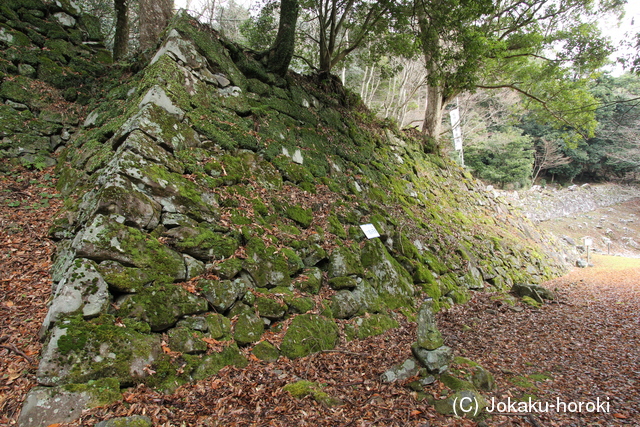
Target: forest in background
(536, 104)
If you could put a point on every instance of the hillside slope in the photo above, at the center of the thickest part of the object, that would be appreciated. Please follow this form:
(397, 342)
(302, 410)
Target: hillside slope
(210, 205)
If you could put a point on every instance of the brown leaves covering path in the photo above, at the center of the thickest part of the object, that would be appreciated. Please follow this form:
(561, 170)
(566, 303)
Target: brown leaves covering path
(27, 202)
(581, 347)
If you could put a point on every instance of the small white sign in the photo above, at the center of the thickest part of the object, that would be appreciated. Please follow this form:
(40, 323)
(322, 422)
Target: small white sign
(588, 241)
(370, 231)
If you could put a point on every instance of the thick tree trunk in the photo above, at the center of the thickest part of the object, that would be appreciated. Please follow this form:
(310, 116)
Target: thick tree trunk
(154, 17)
(121, 40)
(433, 112)
(282, 50)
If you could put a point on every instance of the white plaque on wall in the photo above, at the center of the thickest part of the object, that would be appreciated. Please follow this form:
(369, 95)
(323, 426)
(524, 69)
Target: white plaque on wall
(370, 231)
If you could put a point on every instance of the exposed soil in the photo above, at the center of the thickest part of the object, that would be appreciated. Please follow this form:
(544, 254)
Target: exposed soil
(580, 348)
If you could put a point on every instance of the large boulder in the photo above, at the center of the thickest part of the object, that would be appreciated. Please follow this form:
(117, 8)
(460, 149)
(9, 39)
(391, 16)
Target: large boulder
(45, 406)
(82, 288)
(78, 351)
(392, 282)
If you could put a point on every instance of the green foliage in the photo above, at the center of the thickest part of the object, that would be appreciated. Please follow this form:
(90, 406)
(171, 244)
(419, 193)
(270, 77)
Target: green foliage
(506, 158)
(612, 153)
(260, 30)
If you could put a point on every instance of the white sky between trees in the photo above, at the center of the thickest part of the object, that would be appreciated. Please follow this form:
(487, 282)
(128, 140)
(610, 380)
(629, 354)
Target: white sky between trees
(625, 31)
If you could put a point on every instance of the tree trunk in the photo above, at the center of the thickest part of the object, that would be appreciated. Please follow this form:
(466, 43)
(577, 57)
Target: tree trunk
(433, 112)
(282, 50)
(121, 40)
(154, 17)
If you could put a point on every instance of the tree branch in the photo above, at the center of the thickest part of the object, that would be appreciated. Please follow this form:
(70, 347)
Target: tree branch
(538, 100)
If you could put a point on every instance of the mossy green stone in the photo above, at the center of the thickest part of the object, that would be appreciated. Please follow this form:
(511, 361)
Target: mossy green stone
(248, 329)
(343, 282)
(186, 340)
(79, 351)
(311, 280)
(103, 391)
(456, 384)
(373, 325)
(299, 305)
(211, 364)
(304, 388)
(221, 294)
(271, 307)
(266, 351)
(218, 326)
(309, 333)
(162, 305)
(345, 261)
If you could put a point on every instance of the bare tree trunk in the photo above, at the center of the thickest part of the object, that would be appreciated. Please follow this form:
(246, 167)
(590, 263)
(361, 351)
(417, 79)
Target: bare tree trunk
(433, 113)
(364, 82)
(281, 52)
(154, 17)
(121, 41)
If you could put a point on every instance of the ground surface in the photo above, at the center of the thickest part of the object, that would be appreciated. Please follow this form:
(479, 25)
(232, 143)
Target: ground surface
(615, 229)
(580, 348)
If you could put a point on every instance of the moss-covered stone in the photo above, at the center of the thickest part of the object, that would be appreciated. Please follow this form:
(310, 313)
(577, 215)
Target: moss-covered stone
(309, 333)
(266, 351)
(202, 242)
(162, 305)
(299, 305)
(186, 340)
(78, 351)
(305, 388)
(345, 261)
(267, 266)
(271, 307)
(210, 364)
(344, 282)
(218, 326)
(229, 268)
(132, 421)
(375, 324)
(222, 294)
(248, 328)
(130, 279)
(392, 282)
(428, 335)
(313, 254)
(291, 171)
(106, 238)
(344, 305)
(310, 280)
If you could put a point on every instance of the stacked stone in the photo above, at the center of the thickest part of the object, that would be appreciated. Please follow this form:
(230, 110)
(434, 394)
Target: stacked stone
(429, 348)
(50, 56)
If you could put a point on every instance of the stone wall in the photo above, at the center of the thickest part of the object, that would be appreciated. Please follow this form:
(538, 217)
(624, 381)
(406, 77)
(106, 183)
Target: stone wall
(209, 201)
(50, 56)
(540, 204)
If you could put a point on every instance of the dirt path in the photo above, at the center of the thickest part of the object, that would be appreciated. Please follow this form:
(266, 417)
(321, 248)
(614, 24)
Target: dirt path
(583, 347)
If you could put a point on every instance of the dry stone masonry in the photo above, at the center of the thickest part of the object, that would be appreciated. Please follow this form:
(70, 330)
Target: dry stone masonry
(209, 201)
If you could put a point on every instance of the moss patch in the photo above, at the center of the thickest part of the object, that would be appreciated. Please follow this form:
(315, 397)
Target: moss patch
(309, 333)
(305, 388)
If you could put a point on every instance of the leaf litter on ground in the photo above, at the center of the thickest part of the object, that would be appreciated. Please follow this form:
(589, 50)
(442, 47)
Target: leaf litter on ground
(581, 347)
